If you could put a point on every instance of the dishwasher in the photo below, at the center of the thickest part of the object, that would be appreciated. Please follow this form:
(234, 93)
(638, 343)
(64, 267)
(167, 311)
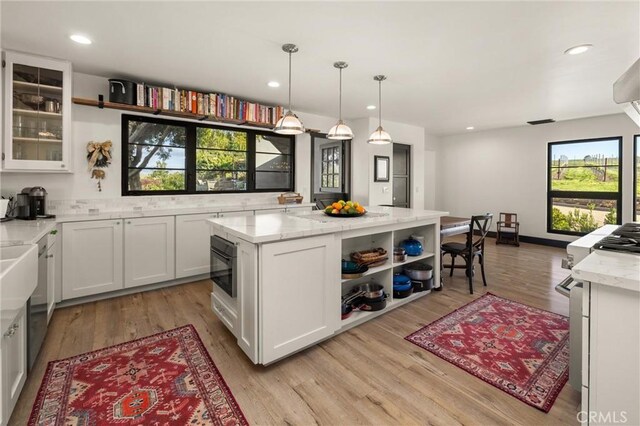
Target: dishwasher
(37, 307)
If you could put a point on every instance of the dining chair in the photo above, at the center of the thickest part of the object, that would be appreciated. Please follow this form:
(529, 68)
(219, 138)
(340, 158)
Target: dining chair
(508, 229)
(480, 226)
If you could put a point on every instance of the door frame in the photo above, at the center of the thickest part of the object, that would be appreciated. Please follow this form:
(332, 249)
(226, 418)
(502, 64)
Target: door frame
(345, 173)
(408, 149)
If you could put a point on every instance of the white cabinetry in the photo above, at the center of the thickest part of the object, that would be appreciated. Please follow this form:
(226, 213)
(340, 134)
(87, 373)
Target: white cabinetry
(247, 328)
(299, 299)
(52, 258)
(37, 114)
(193, 243)
(93, 258)
(149, 250)
(13, 368)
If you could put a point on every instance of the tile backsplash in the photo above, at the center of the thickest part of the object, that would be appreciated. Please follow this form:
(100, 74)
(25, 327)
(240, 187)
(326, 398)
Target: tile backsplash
(101, 205)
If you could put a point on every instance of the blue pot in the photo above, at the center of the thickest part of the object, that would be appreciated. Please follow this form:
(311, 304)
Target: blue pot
(401, 282)
(412, 247)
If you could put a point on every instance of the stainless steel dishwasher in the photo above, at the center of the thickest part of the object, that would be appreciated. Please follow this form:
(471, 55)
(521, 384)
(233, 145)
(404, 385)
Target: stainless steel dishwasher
(37, 307)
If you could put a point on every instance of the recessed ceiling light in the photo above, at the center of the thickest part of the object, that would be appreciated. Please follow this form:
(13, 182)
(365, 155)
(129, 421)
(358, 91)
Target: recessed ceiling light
(576, 50)
(371, 107)
(78, 38)
(273, 84)
(470, 128)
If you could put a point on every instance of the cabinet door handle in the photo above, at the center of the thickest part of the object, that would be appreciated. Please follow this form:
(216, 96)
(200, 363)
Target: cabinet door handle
(62, 165)
(49, 256)
(128, 222)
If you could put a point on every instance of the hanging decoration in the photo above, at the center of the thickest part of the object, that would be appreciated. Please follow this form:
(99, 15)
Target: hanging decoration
(99, 157)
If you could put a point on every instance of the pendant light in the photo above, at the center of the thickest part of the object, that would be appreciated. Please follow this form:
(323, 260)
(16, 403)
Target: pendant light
(379, 137)
(289, 123)
(340, 131)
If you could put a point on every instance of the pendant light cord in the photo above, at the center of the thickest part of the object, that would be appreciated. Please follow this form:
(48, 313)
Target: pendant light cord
(289, 81)
(340, 103)
(380, 103)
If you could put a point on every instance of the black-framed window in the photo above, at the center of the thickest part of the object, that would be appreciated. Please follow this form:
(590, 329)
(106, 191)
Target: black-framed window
(178, 157)
(584, 185)
(636, 178)
(330, 169)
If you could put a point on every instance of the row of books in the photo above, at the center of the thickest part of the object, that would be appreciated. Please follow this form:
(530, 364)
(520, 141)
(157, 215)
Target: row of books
(217, 104)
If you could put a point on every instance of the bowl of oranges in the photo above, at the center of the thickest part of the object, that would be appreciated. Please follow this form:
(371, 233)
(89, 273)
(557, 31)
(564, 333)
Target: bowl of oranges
(345, 209)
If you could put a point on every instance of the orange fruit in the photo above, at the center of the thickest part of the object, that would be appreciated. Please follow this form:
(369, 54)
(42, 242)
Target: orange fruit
(337, 206)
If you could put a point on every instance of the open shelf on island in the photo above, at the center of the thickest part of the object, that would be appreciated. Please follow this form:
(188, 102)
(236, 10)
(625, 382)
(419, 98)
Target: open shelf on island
(411, 259)
(359, 317)
(371, 271)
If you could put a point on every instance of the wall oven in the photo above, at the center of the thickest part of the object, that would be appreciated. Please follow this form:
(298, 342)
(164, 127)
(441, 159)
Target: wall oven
(224, 261)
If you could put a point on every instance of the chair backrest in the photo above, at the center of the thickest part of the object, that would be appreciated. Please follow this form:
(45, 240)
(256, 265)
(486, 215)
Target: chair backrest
(481, 224)
(508, 218)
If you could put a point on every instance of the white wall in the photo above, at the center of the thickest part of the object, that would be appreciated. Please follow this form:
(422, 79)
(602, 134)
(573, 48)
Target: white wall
(506, 169)
(93, 124)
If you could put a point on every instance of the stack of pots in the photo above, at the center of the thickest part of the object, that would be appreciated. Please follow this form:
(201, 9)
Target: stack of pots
(421, 275)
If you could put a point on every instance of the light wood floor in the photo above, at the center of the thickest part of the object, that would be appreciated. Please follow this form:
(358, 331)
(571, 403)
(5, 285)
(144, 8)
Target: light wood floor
(368, 375)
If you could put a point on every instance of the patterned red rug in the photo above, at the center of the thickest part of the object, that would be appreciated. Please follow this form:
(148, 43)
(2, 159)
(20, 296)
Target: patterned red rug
(519, 349)
(164, 379)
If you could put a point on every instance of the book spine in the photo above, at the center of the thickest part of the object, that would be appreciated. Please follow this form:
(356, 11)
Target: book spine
(194, 102)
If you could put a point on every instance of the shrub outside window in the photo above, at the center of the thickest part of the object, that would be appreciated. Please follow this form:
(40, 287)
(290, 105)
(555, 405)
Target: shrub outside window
(584, 185)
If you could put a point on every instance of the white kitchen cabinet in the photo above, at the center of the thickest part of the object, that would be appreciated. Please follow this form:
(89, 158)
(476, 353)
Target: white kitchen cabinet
(37, 114)
(193, 242)
(149, 250)
(52, 259)
(13, 368)
(247, 300)
(92, 258)
(299, 295)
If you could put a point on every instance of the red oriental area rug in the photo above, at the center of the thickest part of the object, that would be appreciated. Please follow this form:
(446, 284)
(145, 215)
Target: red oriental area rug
(519, 349)
(164, 379)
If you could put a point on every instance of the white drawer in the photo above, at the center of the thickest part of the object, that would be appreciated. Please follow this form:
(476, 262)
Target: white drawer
(586, 296)
(227, 315)
(584, 405)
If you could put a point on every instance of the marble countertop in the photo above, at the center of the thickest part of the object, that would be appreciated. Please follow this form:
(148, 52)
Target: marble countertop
(277, 226)
(128, 214)
(614, 269)
(17, 232)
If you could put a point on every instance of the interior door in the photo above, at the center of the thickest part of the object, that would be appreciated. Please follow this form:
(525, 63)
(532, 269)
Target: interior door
(401, 175)
(330, 171)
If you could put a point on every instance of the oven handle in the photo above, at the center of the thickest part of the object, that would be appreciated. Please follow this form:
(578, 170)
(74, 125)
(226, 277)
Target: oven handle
(562, 287)
(221, 255)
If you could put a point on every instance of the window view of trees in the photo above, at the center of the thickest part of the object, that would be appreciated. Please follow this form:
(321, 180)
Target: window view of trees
(184, 157)
(584, 185)
(221, 160)
(156, 157)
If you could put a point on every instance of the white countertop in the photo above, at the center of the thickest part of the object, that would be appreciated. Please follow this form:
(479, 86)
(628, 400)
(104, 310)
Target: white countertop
(128, 214)
(17, 232)
(277, 226)
(614, 269)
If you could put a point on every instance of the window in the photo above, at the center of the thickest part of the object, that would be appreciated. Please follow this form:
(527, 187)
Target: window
(330, 168)
(174, 157)
(584, 185)
(636, 178)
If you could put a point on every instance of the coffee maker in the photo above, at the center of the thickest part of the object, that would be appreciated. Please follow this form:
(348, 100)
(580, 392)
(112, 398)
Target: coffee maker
(32, 203)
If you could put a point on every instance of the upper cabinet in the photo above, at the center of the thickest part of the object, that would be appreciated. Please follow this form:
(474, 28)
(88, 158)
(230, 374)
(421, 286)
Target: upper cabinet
(37, 113)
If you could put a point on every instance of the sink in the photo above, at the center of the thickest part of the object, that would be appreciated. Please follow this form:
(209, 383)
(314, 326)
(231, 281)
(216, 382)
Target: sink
(18, 277)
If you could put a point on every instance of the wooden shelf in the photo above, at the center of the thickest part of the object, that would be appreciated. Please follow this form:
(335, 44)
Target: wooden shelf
(169, 113)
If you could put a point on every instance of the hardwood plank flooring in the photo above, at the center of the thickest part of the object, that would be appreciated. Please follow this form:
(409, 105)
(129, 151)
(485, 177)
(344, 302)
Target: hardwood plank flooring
(367, 375)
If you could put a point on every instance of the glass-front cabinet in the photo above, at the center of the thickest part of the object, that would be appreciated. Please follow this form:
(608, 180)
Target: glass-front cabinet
(37, 115)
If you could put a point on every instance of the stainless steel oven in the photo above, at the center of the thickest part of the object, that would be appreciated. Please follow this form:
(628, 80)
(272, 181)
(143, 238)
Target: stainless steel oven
(224, 261)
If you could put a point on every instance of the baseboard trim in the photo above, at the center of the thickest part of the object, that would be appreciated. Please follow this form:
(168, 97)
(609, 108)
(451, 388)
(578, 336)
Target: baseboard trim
(536, 240)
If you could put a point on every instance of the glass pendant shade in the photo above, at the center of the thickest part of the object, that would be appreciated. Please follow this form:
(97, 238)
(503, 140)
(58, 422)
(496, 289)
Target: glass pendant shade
(340, 132)
(289, 124)
(379, 137)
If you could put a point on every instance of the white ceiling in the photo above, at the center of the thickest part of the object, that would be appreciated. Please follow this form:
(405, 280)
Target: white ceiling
(449, 64)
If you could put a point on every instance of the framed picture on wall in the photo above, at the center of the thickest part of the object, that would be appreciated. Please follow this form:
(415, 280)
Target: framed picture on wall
(380, 168)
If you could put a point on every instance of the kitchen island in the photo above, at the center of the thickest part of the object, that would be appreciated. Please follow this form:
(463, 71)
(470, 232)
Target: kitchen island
(284, 285)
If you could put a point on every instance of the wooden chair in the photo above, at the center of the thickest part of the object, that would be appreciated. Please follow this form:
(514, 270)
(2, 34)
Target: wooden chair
(508, 229)
(481, 225)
